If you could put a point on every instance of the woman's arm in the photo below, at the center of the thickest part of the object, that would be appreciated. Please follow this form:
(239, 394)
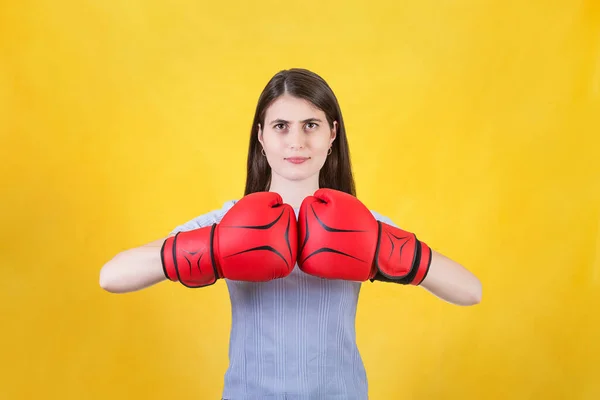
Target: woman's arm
(133, 269)
(451, 282)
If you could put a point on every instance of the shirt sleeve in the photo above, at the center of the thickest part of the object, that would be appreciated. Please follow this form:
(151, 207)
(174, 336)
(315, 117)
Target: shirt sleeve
(207, 219)
(384, 219)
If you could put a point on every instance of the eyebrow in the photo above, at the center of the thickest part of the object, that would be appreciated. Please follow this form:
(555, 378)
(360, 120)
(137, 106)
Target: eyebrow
(283, 121)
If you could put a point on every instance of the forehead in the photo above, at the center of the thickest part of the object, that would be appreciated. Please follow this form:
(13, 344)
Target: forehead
(292, 109)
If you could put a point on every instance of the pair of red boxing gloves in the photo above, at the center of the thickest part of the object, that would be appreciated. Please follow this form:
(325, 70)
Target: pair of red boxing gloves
(259, 239)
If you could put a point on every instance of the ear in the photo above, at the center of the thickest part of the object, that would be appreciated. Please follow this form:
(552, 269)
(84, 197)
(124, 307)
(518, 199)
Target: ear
(333, 132)
(260, 135)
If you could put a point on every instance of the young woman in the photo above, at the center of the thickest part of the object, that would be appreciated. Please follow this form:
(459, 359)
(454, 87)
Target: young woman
(295, 290)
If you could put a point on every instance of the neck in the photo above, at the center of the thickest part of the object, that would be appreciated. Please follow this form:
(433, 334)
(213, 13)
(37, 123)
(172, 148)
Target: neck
(293, 193)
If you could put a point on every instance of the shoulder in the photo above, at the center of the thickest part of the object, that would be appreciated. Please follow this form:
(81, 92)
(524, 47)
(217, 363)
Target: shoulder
(383, 218)
(215, 216)
(206, 219)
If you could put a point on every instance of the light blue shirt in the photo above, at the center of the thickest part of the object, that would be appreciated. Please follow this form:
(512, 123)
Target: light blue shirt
(292, 338)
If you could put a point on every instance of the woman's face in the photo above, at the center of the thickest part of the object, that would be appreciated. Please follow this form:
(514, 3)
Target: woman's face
(296, 138)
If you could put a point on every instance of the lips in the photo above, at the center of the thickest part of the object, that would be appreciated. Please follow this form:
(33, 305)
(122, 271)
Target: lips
(297, 160)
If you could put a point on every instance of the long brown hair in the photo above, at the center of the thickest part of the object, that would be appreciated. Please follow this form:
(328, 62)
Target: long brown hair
(337, 170)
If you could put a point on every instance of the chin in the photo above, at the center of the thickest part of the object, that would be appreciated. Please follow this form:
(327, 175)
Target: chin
(296, 174)
(296, 177)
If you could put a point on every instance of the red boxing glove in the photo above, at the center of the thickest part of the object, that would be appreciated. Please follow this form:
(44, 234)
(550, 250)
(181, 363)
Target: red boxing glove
(255, 241)
(340, 239)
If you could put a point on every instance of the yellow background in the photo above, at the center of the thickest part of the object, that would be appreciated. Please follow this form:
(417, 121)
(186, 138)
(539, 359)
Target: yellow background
(473, 123)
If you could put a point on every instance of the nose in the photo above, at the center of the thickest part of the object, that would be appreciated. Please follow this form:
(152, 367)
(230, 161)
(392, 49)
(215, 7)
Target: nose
(296, 139)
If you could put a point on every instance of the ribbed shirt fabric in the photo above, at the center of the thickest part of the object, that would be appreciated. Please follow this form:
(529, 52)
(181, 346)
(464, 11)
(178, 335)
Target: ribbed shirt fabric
(291, 338)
